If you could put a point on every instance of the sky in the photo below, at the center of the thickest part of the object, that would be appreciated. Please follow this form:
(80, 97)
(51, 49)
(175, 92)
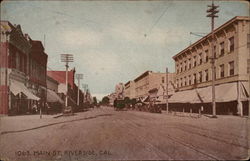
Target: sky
(116, 41)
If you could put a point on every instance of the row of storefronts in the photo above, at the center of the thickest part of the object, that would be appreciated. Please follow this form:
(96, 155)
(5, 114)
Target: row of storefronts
(190, 86)
(25, 85)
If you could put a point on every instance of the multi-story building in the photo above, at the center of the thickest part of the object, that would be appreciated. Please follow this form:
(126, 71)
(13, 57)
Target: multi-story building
(37, 69)
(15, 90)
(119, 91)
(150, 80)
(52, 92)
(129, 89)
(52, 84)
(231, 49)
(60, 76)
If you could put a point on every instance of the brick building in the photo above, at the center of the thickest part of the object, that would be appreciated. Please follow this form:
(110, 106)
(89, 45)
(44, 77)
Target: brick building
(194, 72)
(16, 85)
(60, 77)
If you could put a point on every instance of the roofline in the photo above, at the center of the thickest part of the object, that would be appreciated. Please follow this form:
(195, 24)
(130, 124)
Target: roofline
(236, 18)
(142, 75)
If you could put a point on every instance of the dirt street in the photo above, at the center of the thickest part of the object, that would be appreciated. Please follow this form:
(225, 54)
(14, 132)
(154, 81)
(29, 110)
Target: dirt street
(103, 133)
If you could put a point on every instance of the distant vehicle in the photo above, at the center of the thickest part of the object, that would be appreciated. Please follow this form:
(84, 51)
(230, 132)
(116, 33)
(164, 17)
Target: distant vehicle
(119, 104)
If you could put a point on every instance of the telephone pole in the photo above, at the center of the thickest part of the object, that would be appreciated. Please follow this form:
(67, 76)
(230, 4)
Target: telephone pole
(167, 90)
(78, 77)
(66, 58)
(212, 11)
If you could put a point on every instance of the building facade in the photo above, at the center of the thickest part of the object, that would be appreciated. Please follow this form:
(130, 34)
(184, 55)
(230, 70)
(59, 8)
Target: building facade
(129, 89)
(60, 77)
(16, 93)
(231, 48)
(150, 80)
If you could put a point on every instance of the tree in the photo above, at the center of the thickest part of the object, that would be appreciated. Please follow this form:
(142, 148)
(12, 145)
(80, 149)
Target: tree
(94, 101)
(105, 100)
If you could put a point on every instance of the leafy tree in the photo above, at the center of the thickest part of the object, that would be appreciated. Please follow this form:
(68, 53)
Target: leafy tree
(105, 100)
(94, 101)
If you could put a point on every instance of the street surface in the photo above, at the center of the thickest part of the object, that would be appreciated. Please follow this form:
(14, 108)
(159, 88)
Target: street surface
(105, 134)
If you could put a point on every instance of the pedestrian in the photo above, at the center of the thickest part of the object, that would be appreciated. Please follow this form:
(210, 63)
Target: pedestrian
(47, 108)
(34, 108)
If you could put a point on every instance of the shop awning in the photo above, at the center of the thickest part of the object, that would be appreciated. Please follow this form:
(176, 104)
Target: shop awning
(223, 93)
(188, 96)
(53, 97)
(18, 87)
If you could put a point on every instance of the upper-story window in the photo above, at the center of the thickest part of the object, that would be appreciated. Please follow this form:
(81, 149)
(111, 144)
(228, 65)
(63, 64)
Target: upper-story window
(248, 40)
(222, 70)
(194, 61)
(17, 61)
(185, 65)
(200, 77)
(222, 49)
(180, 67)
(206, 56)
(231, 44)
(162, 80)
(184, 81)
(189, 63)
(189, 79)
(177, 68)
(200, 58)
(231, 68)
(214, 51)
(206, 74)
(195, 80)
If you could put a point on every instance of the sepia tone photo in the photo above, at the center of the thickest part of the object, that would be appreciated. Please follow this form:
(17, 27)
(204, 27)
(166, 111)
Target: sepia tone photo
(124, 80)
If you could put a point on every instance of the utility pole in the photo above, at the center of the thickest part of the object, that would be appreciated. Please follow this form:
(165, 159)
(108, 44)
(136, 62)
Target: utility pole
(167, 90)
(78, 77)
(66, 58)
(85, 87)
(212, 10)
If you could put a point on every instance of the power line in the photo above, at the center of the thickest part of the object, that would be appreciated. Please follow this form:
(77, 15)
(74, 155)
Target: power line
(157, 20)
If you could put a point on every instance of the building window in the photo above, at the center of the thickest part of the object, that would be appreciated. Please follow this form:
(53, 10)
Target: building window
(248, 40)
(189, 79)
(185, 65)
(206, 74)
(162, 79)
(231, 44)
(200, 58)
(177, 82)
(222, 50)
(214, 51)
(206, 56)
(17, 61)
(222, 73)
(194, 61)
(180, 67)
(184, 81)
(200, 75)
(177, 69)
(189, 63)
(231, 68)
(195, 81)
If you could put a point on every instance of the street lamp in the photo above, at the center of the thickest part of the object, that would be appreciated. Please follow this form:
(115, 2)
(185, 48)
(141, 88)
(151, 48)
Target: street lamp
(66, 58)
(78, 77)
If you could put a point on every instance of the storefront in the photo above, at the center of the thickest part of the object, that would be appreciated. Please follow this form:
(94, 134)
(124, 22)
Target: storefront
(231, 98)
